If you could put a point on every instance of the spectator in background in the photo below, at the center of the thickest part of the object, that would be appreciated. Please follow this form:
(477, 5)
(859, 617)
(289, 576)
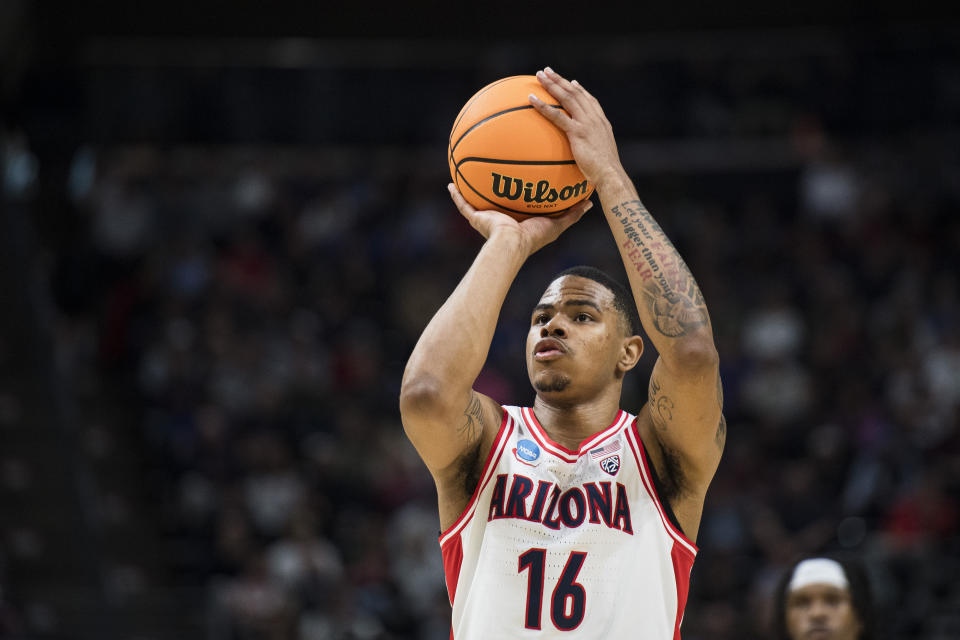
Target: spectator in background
(824, 598)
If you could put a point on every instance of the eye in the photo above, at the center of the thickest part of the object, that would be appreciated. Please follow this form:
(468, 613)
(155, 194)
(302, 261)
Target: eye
(583, 317)
(540, 318)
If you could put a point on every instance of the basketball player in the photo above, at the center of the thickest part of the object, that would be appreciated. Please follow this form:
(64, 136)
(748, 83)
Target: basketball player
(570, 518)
(825, 599)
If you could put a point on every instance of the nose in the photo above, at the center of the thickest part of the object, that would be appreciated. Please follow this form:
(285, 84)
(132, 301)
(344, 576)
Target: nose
(819, 610)
(553, 328)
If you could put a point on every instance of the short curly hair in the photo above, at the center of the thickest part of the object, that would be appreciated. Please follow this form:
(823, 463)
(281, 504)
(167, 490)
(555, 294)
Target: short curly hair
(622, 298)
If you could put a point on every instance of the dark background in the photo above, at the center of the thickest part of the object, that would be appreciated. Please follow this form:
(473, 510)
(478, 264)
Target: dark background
(224, 225)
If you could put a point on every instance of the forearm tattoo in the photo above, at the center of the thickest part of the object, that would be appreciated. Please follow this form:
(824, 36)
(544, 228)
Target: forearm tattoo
(472, 425)
(672, 296)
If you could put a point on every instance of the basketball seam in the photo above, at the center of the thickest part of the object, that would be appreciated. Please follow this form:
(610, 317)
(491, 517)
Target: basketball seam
(491, 117)
(458, 175)
(466, 107)
(498, 161)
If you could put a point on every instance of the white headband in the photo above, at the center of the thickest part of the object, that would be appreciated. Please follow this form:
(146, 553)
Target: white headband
(818, 571)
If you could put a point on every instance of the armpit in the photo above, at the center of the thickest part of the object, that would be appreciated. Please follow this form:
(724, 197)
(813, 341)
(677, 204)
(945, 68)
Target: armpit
(668, 480)
(467, 469)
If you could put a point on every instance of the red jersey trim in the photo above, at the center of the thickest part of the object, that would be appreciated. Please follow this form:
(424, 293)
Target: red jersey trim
(682, 565)
(503, 436)
(452, 561)
(636, 445)
(540, 435)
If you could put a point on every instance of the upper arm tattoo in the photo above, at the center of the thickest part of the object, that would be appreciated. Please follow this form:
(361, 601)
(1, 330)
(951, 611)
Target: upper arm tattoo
(671, 476)
(672, 298)
(471, 427)
(661, 406)
(721, 437)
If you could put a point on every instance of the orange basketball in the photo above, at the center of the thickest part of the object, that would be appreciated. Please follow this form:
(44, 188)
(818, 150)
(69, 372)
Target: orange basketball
(504, 155)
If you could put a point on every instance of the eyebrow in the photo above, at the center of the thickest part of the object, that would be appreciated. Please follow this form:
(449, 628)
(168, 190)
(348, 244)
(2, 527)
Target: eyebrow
(569, 303)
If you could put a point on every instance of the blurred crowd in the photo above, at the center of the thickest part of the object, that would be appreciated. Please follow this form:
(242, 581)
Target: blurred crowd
(259, 315)
(252, 309)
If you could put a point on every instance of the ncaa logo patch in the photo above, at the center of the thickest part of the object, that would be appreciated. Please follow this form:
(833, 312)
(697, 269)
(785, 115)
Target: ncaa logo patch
(611, 464)
(527, 452)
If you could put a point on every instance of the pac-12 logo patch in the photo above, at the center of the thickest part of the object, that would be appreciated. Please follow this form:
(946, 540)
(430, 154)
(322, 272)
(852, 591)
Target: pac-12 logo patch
(611, 464)
(527, 452)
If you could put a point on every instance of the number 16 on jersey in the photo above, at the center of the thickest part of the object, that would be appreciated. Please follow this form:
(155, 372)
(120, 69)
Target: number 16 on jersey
(568, 600)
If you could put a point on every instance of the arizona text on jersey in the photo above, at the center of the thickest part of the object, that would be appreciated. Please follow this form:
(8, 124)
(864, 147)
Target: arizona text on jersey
(566, 544)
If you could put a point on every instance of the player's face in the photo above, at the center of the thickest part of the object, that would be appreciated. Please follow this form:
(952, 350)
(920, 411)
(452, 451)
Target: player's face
(821, 612)
(575, 338)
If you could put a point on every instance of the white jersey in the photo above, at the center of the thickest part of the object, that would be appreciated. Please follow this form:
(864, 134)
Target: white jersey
(566, 544)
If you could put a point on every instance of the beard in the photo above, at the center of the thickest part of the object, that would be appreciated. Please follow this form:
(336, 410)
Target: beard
(554, 382)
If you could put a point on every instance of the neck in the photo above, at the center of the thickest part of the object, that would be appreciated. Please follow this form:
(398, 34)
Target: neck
(570, 424)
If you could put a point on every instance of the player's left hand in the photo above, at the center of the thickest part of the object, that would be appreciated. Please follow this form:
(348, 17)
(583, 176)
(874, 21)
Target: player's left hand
(587, 128)
(533, 234)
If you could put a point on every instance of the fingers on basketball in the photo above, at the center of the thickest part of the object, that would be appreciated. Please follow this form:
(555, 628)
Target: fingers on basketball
(575, 97)
(511, 152)
(462, 205)
(575, 100)
(593, 105)
(570, 93)
(575, 212)
(582, 207)
(551, 113)
(586, 98)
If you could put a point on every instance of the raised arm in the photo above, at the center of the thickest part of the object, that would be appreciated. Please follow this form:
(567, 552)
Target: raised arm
(685, 397)
(452, 426)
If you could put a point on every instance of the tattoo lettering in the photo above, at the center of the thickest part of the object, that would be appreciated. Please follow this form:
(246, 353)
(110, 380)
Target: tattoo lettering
(472, 425)
(673, 298)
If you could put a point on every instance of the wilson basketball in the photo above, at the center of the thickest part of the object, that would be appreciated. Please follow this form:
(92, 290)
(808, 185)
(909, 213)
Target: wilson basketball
(504, 155)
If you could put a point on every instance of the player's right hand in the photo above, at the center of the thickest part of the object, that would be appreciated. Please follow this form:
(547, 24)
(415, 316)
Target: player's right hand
(533, 233)
(588, 130)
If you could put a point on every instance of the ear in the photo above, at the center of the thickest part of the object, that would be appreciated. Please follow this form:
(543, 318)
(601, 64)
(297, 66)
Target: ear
(630, 354)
